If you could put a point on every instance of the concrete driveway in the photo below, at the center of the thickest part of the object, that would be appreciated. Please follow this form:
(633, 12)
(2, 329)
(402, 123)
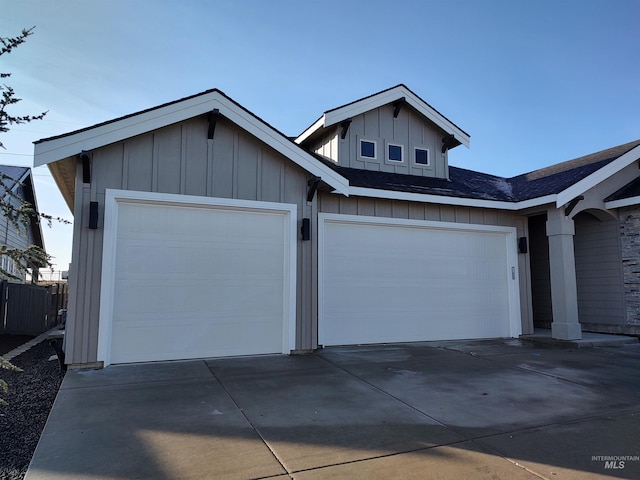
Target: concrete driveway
(475, 409)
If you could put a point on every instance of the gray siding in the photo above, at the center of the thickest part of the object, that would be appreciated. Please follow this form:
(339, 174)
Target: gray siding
(598, 270)
(13, 237)
(540, 278)
(331, 203)
(179, 159)
(409, 130)
(328, 146)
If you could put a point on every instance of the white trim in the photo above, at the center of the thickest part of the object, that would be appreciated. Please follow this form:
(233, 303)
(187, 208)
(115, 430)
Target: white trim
(375, 149)
(378, 100)
(387, 160)
(317, 125)
(598, 176)
(115, 198)
(443, 200)
(68, 146)
(515, 322)
(421, 165)
(623, 202)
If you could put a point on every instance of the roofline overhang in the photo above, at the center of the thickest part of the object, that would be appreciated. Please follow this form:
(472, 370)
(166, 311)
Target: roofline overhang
(35, 222)
(587, 183)
(455, 201)
(623, 202)
(335, 116)
(26, 180)
(51, 150)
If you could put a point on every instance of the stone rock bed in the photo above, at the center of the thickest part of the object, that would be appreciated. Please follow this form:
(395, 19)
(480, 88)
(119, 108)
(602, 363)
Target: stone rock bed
(30, 397)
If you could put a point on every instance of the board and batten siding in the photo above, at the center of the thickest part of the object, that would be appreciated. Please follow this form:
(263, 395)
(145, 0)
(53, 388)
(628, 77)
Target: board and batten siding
(376, 207)
(598, 270)
(407, 129)
(179, 159)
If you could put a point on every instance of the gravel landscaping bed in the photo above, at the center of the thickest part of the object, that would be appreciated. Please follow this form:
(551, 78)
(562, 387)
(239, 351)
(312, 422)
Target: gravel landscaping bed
(9, 342)
(30, 397)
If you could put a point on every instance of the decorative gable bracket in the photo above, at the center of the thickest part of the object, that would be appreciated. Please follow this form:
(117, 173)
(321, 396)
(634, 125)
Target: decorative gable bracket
(85, 158)
(572, 205)
(397, 106)
(449, 142)
(213, 119)
(345, 128)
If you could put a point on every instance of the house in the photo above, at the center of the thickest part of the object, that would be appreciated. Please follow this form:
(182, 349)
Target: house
(200, 231)
(16, 188)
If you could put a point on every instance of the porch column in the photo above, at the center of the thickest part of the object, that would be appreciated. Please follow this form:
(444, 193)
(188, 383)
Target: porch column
(562, 270)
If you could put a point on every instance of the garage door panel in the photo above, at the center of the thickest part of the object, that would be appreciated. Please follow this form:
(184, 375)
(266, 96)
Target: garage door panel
(193, 282)
(137, 298)
(398, 282)
(175, 342)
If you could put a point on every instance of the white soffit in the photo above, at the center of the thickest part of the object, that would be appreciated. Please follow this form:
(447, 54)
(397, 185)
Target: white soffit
(55, 149)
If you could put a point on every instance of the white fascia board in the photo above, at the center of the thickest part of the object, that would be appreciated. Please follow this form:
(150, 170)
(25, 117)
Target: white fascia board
(348, 111)
(597, 177)
(311, 130)
(67, 146)
(623, 202)
(455, 201)
(283, 145)
(59, 148)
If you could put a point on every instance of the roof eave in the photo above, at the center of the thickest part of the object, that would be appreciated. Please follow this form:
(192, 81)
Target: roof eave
(623, 202)
(317, 125)
(449, 200)
(597, 177)
(337, 115)
(56, 149)
(389, 96)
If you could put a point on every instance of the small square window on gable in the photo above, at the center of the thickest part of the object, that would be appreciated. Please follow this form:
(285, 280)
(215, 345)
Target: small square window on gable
(421, 157)
(394, 153)
(367, 149)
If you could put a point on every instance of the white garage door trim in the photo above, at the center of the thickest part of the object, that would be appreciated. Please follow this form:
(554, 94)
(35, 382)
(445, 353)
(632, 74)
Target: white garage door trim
(510, 245)
(116, 198)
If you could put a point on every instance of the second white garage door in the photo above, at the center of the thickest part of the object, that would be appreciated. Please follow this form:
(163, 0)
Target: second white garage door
(387, 281)
(196, 280)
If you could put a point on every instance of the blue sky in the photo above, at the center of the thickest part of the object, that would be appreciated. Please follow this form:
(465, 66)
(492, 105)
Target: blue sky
(533, 83)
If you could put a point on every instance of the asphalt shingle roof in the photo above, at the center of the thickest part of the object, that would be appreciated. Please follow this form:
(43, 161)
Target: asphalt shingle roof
(630, 190)
(471, 184)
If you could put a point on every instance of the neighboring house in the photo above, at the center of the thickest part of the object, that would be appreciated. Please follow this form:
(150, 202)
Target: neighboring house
(16, 188)
(202, 231)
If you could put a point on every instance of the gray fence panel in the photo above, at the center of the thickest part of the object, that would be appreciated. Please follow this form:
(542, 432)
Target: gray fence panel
(25, 309)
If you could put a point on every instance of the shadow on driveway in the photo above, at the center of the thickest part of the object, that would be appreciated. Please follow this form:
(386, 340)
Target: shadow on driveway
(475, 409)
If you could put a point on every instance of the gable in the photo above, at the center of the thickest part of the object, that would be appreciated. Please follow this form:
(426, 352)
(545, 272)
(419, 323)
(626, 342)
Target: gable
(17, 183)
(179, 159)
(394, 122)
(64, 149)
(400, 94)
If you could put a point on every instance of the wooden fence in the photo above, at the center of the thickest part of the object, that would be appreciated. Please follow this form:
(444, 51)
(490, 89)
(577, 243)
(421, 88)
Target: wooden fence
(30, 309)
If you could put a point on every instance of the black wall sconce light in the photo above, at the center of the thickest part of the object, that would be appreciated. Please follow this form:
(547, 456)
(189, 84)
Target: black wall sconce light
(522, 245)
(306, 229)
(93, 215)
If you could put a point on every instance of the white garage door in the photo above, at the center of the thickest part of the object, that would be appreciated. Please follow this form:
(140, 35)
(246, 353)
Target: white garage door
(194, 281)
(415, 281)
